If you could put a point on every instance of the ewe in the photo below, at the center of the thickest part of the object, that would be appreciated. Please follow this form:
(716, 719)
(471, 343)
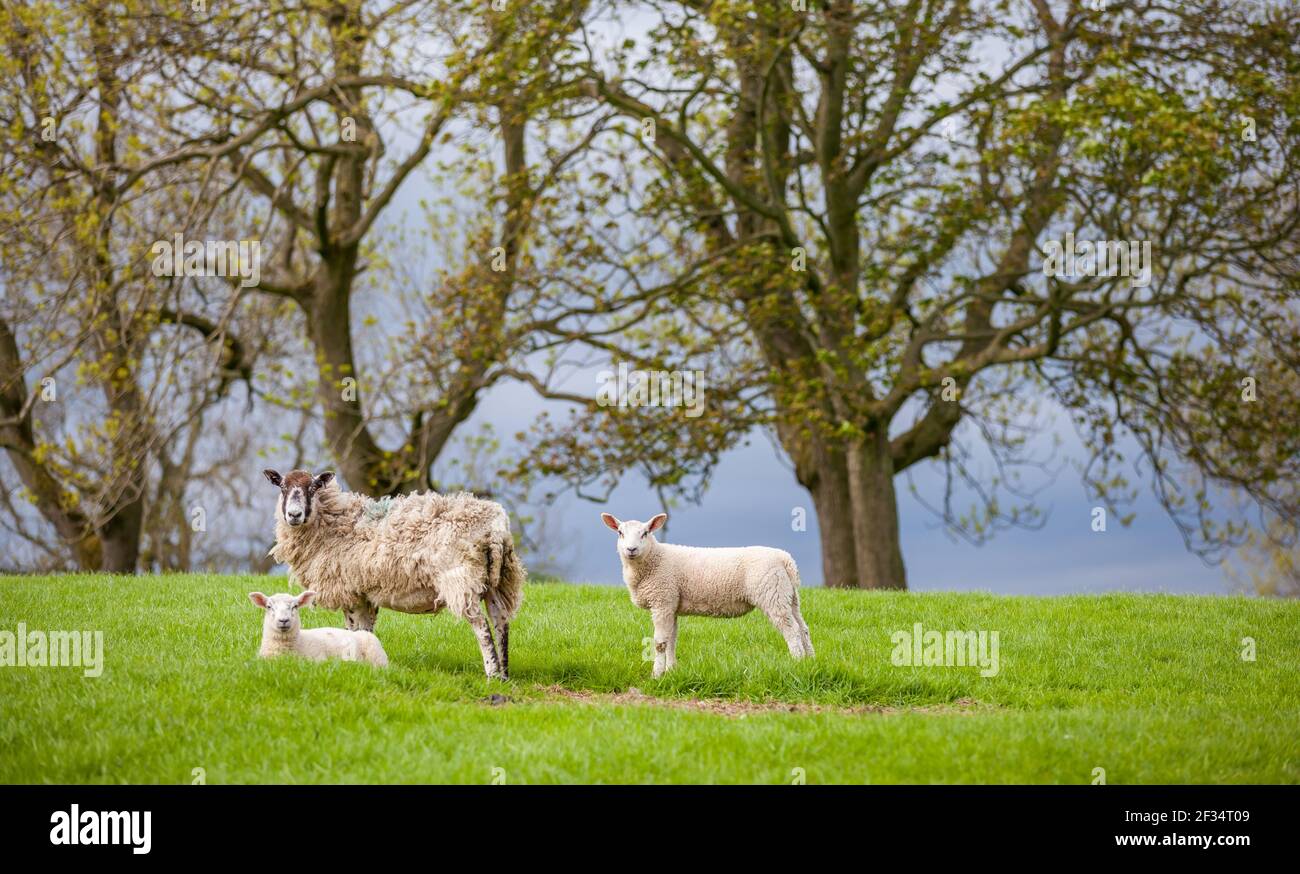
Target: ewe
(417, 553)
(671, 581)
(282, 634)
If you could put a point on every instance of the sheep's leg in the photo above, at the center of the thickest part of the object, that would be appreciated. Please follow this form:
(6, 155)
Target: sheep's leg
(478, 621)
(361, 617)
(779, 599)
(804, 636)
(665, 622)
(793, 636)
(783, 618)
(502, 626)
(671, 661)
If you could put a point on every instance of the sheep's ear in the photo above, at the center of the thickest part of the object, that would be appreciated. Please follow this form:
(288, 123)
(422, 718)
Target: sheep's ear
(657, 522)
(306, 598)
(322, 479)
(273, 476)
(258, 598)
(609, 520)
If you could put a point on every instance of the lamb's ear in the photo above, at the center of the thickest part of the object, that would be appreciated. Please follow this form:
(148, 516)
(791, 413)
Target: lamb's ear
(609, 520)
(322, 479)
(306, 598)
(657, 522)
(258, 598)
(273, 476)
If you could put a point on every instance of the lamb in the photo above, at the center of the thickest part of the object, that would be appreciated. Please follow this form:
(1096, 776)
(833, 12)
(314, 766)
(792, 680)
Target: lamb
(282, 634)
(418, 553)
(671, 580)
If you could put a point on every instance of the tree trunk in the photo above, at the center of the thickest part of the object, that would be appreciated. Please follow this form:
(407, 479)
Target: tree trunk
(830, 494)
(74, 530)
(19, 442)
(120, 538)
(877, 550)
(114, 331)
(353, 447)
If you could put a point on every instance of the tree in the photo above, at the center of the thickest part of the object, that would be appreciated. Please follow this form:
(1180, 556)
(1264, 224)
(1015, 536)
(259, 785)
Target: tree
(885, 180)
(310, 143)
(286, 127)
(86, 331)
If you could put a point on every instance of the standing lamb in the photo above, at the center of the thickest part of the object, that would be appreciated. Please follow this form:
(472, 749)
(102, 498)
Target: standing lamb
(671, 580)
(282, 634)
(416, 553)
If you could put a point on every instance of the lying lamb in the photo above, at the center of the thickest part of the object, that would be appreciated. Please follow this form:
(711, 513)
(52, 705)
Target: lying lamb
(671, 581)
(282, 634)
(416, 553)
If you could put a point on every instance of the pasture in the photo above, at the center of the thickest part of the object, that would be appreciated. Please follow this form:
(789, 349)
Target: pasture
(1150, 688)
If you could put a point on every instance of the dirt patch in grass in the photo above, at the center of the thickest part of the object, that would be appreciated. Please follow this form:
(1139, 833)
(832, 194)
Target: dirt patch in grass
(737, 708)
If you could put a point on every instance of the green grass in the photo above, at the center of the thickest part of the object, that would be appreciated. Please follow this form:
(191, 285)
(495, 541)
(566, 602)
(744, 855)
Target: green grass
(1152, 688)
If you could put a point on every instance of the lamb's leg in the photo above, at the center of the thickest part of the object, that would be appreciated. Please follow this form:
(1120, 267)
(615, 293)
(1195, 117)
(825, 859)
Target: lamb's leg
(782, 616)
(804, 636)
(789, 629)
(777, 597)
(478, 621)
(671, 661)
(502, 626)
(665, 622)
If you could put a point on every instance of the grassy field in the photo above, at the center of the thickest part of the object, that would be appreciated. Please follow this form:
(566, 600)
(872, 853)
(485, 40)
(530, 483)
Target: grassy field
(1152, 688)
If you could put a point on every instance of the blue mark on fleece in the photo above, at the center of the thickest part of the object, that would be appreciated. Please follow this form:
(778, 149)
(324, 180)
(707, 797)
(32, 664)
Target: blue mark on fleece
(377, 509)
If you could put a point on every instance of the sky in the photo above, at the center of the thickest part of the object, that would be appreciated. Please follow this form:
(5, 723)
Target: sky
(754, 493)
(753, 496)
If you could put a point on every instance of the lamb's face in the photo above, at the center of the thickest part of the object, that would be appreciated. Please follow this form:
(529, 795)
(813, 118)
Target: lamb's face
(282, 611)
(297, 487)
(635, 539)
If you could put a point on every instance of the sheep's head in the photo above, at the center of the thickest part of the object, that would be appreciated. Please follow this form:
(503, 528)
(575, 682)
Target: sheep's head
(282, 610)
(635, 539)
(297, 487)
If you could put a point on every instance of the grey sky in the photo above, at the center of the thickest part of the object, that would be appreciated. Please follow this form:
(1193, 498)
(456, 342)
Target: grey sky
(754, 493)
